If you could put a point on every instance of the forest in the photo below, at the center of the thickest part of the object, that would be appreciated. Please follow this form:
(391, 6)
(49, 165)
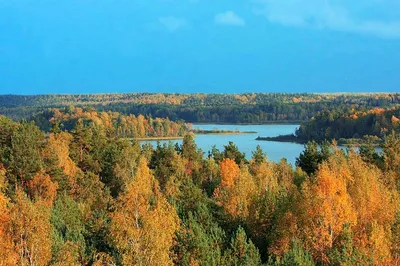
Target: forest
(114, 124)
(80, 195)
(205, 108)
(371, 125)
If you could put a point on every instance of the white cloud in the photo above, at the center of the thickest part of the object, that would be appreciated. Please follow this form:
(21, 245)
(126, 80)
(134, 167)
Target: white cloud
(229, 18)
(375, 18)
(172, 23)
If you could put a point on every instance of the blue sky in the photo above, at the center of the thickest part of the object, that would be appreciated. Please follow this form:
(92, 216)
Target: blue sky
(98, 46)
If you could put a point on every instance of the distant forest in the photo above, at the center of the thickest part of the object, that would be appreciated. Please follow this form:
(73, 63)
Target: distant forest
(371, 125)
(114, 124)
(203, 108)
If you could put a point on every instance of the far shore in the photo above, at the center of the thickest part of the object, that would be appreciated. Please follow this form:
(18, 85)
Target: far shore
(341, 142)
(155, 138)
(292, 122)
(221, 132)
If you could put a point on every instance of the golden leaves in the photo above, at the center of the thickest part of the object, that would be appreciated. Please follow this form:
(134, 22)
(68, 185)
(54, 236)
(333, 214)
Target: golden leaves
(236, 189)
(144, 224)
(43, 188)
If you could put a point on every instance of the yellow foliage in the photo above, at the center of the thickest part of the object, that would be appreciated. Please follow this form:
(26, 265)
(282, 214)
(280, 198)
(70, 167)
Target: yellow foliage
(349, 192)
(229, 172)
(68, 255)
(144, 224)
(375, 205)
(395, 120)
(327, 208)
(58, 145)
(103, 259)
(236, 190)
(42, 187)
(31, 231)
(8, 254)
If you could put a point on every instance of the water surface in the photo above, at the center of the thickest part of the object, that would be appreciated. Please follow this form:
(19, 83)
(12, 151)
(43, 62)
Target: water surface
(246, 142)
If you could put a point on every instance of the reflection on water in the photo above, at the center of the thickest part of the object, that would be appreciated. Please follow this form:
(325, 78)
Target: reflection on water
(246, 142)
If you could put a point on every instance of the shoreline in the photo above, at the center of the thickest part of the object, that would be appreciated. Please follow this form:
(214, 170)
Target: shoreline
(289, 123)
(351, 143)
(155, 138)
(282, 138)
(221, 132)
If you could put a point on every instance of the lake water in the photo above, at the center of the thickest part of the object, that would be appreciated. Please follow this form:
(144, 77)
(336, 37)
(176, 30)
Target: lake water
(247, 142)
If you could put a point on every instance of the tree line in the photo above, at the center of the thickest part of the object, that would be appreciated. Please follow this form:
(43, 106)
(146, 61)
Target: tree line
(86, 197)
(113, 123)
(371, 124)
(206, 108)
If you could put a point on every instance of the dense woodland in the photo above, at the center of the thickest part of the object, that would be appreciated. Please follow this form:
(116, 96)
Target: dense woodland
(371, 125)
(87, 197)
(114, 124)
(217, 108)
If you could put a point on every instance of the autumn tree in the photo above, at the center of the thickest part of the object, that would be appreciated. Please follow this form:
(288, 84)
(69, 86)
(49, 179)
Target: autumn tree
(8, 252)
(42, 187)
(327, 207)
(375, 207)
(68, 254)
(144, 223)
(236, 189)
(58, 148)
(31, 230)
(391, 156)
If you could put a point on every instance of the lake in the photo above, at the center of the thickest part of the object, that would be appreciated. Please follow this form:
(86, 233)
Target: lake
(246, 142)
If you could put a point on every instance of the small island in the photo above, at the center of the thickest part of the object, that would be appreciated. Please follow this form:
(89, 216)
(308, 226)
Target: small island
(221, 132)
(156, 138)
(283, 138)
(350, 142)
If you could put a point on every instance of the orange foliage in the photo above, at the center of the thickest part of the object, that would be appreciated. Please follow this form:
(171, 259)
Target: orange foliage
(395, 120)
(8, 255)
(42, 187)
(31, 231)
(354, 116)
(349, 192)
(377, 111)
(229, 172)
(296, 100)
(330, 208)
(236, 189)
(376, 209)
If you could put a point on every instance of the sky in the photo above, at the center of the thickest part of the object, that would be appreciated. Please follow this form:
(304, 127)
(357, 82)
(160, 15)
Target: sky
(209, 46)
